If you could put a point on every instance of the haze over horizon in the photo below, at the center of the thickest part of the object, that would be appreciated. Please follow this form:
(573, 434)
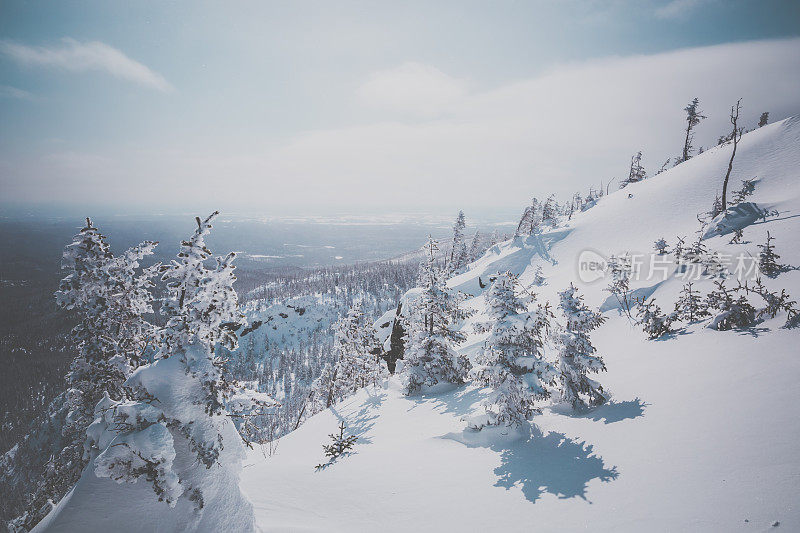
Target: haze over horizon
(310, 107)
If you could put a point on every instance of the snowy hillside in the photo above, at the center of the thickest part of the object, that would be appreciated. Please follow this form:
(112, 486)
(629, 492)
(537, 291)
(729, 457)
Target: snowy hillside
(701, 433)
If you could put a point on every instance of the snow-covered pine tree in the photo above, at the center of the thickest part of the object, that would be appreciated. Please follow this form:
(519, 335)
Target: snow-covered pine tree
(357, 350)
(512, 360)
(429, 354)
(174, 434)
(110, 296)
(660, 246)
(550, 211)
(690, 305)
(576, 357)
(763, 119)
(475, 248)
(636, 173)
(731, 312)
(653, 321)
(693, 117)
(531, 220)
(768, 259)
(458, 252)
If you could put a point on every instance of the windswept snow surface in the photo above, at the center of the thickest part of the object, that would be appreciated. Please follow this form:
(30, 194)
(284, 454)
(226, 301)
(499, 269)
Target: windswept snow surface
(701, 434)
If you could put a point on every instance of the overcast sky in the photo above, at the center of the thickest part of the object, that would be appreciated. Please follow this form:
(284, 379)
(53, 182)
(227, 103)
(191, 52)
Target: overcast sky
(365, 105)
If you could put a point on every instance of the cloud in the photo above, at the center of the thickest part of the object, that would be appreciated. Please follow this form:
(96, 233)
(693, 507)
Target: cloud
(412, 88)
(75, 56)
(6, 91)
(562, 131)
(677, 8)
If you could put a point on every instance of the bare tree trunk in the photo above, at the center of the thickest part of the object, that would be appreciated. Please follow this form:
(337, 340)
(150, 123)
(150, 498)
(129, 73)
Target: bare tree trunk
(736, 136)
(686, 143)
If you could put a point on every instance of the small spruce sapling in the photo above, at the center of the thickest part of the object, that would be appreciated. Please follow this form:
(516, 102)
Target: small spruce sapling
(660, 246)
(731, 312)
(653, 321)
(340, 446)
(690, 305)
(768, 259)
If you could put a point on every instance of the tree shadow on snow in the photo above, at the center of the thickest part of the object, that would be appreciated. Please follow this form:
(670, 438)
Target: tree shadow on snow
(539, 464)
(459, 401)
(360, 422)
(616, 411)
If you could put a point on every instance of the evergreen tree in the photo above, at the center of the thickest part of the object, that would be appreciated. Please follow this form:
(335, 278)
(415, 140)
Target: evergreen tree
(748, 188)
(550, 211)
(577, 357)
(531, 220)
(512, 360)
(357, 348)
(653, 321)
(475, 248)
(430, 334)
(768, 259)
(693, 118)
(690, 306)
(731, 312)
(174, 433)
(110, 296)
(763, 119)
(458, 253)
(660, 246)
(636, 173)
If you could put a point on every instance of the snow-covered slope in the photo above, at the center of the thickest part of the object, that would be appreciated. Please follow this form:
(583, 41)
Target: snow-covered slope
(701, 434)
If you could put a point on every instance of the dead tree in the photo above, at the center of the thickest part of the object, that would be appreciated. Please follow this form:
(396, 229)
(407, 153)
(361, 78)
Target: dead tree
(736, 134)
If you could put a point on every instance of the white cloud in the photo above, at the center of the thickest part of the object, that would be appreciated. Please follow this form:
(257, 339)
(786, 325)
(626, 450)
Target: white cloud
(573, 126)
(412, 88)
(6, 91)
(677, 8)
(75, 56)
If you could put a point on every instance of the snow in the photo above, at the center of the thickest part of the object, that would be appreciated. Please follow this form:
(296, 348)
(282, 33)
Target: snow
(691, 442)
(701, 433)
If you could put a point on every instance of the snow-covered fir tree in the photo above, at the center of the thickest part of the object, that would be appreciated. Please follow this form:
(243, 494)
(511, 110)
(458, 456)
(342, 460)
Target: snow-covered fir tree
(458, 252)
(110, 295)
(550, 211)
(577, 356)
(512, 360)
(768, 260)
(693, 117)
(653, 321)
(531, 220)
(475, 247)
(690, 306)
(763, 119)
(358, 352)
(175, 434)
(636, 172)
(431, 334)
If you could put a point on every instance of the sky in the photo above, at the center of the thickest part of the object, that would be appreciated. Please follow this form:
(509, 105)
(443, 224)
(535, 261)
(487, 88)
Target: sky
(286, 106)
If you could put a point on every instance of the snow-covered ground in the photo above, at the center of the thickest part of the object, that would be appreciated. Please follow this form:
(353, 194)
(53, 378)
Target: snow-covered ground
(701, 434)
